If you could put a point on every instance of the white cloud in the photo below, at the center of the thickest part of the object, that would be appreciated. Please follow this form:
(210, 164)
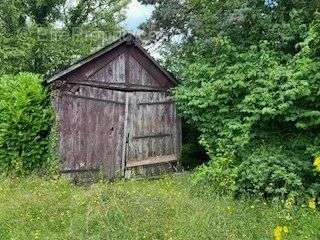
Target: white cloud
(136, 14)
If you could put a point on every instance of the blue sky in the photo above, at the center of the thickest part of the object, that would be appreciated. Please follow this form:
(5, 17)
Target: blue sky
(136, 14)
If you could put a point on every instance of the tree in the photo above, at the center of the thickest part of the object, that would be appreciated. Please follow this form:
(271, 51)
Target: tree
(43, 36)
(42, 12)
(12, 17)
(238, 61)
(244, 21)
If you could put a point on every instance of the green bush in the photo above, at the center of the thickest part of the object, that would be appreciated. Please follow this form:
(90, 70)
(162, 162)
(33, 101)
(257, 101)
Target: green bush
(217, 176)
(25, 123)
(271, 172)
(278, 167)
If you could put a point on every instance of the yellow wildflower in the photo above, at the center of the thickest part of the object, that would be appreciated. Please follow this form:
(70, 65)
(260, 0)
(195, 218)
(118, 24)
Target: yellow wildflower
(279, 232)
(289, 202)
(312, 203)
(316, 163)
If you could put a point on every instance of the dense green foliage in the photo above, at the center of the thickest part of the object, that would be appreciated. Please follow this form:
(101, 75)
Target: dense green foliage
(272, 172)
(43, 36)
(218, 176)
(250, 78)
(25, 124)
(251, 91)
(166, 209)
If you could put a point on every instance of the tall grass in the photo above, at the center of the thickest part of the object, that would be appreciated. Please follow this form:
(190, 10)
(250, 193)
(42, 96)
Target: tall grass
(35, 208)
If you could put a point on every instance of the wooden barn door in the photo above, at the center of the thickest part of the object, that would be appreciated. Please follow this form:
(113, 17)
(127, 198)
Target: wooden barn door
(151, 129)
(91, 131)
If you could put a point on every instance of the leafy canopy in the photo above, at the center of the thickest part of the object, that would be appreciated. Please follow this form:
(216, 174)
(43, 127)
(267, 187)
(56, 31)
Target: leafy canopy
(43, 36)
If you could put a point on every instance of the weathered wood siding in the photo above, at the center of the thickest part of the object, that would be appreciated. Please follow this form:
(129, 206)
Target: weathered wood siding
(113, 72)
(141, 71)
(90, 124)
(151, 127)
(106, 68)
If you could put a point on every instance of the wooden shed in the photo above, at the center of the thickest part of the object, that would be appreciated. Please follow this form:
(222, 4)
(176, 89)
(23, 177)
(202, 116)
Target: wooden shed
(115, 114)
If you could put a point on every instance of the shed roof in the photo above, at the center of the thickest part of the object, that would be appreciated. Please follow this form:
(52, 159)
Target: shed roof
(129, 39)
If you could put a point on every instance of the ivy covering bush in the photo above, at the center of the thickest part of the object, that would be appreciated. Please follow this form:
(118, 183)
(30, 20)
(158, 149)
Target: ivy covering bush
(25, 124)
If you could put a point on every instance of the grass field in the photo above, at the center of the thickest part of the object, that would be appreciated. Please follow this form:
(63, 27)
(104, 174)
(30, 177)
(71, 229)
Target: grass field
(35, 208)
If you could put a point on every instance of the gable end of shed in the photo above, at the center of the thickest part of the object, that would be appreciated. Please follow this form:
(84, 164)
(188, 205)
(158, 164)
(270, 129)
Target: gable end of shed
(124, 63)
